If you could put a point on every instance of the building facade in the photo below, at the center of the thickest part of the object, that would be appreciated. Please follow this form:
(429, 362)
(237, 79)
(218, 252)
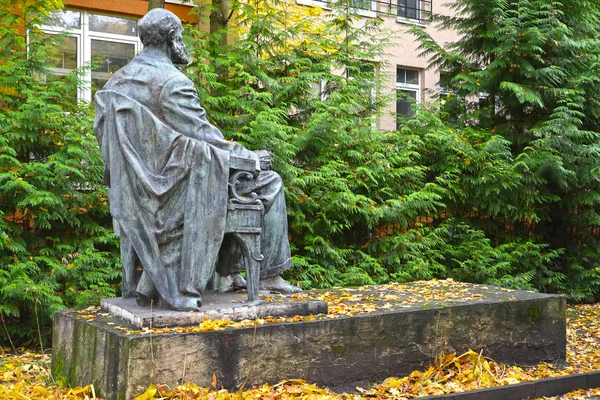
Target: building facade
(104, 32)
(409, 78)
(413, 79)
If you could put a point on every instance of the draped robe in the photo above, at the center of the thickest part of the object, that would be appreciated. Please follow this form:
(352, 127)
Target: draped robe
(168, 195)
(167, 167)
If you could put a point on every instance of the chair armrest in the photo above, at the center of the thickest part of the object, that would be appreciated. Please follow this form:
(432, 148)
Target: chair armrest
(242, 164)
(241, 169)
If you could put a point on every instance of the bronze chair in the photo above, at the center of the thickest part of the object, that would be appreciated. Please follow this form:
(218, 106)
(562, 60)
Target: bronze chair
(244, 218)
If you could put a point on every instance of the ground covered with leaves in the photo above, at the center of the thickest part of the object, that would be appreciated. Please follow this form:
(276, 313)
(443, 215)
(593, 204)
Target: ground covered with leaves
(343, 302)
(25, 374)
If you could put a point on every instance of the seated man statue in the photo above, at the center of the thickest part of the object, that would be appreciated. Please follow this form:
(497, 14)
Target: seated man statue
(167, 169)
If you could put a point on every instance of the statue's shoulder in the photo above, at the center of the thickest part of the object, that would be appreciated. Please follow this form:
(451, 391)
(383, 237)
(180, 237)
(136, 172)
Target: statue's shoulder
(111, 95)
(147, 69)
(161, 74)
(106, 102)
(179, 79)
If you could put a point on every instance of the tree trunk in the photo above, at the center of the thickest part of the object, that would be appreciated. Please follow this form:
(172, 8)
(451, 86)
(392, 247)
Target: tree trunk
(156, 4)
(219, 17)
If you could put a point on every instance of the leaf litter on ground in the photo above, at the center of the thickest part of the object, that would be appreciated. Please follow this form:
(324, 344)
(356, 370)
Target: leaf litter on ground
(26, 375)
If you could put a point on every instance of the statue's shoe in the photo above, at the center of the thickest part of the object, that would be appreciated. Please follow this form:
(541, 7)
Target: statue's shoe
(189, 304)
(278, 284)
(142, 300)
(230, 283)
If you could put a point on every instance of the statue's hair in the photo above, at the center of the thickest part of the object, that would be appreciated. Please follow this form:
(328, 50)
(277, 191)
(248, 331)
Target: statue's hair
(154, 27)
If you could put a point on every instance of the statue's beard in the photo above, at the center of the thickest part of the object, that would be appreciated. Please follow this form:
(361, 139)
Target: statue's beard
(179, 54)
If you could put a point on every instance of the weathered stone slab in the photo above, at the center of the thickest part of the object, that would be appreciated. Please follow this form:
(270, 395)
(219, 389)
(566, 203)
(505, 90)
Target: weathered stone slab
(227, 306)
(509, 326)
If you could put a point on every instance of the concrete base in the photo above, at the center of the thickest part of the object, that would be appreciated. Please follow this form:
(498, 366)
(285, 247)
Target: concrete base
(512, 327)
(226, 306)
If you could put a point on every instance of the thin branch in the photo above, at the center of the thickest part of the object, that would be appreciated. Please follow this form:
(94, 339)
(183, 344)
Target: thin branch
(7, 334)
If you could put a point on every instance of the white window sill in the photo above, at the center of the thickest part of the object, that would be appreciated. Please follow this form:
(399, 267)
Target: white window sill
(408, 21)
(189, 3)
(364, 13)
(313, 3)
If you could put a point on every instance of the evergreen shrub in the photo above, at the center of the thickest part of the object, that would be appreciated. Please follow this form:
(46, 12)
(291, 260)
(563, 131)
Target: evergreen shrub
(57, 248)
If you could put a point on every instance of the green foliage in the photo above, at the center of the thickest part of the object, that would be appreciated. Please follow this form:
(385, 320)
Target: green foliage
(465, 197)
(498, 189)
(56, 243)
(295, 83)
(537, 61)
(365, 206)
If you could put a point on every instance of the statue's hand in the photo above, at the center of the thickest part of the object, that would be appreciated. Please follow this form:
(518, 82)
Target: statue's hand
(265, 157)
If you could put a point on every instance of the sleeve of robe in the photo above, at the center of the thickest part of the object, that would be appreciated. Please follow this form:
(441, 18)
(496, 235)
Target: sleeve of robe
(182, 109)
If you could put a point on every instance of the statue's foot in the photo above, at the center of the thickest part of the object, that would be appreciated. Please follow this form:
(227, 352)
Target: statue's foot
(230, 283)
(278, 284)
(142, 300)
(192, 304)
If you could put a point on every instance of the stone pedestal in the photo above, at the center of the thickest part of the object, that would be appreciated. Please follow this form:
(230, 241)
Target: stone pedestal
(225, 306)
(514, 327)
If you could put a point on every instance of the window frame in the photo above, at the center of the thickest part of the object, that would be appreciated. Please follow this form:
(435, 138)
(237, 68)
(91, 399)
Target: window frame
(422, 9)
(327, 5)
(407, 7)
(371, 90)
(408, 87)
(365, 12)
(324, 4)
(84, 38)
(188, 3)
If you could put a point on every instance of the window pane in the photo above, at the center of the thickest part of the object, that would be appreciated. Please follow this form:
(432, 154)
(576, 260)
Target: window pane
(412, 11)
(107, 58)
(406, 98)
(317, 90)
(362, 4)
(64, 56)
(400, 75)
(62, 52)
(367, 69)
(65, 19)
(408, 9)
(412, 76)
(67, 86)
(444, 83)
(116, 25)
(444, 80)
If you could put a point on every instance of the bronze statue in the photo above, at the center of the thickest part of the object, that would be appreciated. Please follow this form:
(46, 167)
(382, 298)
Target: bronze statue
(167, 170)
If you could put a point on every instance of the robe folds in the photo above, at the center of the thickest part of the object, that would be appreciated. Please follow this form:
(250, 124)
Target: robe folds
(168, 196)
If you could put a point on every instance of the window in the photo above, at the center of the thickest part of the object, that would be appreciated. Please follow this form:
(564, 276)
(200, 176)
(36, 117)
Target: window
(414, 10)
(366, 8)
(408, 90)
(317, 90)
(444, 84)
(361, 4)
(411, 11)
(104, 41)
(363, 75)
(368, 71)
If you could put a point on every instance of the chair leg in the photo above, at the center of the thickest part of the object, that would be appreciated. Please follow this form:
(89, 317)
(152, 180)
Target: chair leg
(250, 243)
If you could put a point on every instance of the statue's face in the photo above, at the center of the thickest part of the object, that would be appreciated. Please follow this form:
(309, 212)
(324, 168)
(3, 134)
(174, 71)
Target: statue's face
(178, 49)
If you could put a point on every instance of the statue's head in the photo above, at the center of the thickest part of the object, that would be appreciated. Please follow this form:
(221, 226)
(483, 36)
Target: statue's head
(161, 27)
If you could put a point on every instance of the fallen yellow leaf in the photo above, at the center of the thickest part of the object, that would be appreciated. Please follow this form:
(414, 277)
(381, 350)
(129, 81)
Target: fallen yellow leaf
(148, 394)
